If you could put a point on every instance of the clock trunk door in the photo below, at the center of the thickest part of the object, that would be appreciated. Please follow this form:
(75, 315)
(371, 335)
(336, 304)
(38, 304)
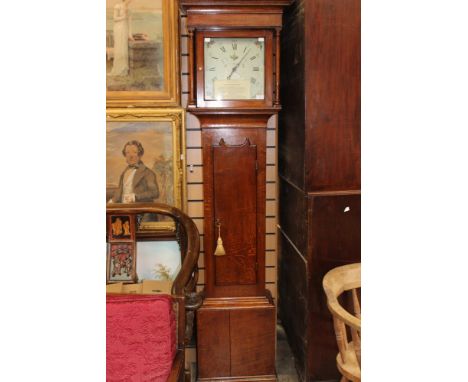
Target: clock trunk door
(235, 209)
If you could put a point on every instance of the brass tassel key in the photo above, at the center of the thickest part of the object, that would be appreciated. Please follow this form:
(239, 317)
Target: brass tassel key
(219, 247)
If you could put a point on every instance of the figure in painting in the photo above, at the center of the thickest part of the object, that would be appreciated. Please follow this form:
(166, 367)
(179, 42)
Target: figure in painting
(137, 183)
(126, 228)
(122, 34)
(117, 227)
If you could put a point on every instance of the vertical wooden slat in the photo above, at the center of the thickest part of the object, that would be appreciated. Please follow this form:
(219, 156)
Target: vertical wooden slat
(191, 69)
(277, 76)
(354, 333)
(341, 337)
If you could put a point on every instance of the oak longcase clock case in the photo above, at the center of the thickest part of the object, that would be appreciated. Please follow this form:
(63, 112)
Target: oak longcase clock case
(234, 90)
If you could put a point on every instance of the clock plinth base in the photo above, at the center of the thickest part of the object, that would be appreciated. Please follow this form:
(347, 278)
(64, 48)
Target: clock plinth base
(236, 339)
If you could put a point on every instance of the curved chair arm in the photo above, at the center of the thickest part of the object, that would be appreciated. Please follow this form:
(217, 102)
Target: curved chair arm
(189, 269)
(335, 283)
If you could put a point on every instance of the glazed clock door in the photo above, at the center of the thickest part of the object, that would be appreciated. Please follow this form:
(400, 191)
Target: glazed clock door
(234, 68)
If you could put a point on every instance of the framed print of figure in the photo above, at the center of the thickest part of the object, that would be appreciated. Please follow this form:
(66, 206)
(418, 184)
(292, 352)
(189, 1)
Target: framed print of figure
(142, 66)
(145, 159)
(121, 262)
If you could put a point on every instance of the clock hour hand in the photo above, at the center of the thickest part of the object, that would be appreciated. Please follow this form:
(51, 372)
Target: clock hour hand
(237, 65)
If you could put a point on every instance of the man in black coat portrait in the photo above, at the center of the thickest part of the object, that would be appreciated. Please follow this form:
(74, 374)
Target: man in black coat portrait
(137, 183)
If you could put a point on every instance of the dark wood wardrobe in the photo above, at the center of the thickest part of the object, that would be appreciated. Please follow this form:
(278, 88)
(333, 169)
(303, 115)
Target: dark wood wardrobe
(319, 171)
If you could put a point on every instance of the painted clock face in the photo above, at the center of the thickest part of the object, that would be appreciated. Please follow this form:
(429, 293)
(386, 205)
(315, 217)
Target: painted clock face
(234, 68)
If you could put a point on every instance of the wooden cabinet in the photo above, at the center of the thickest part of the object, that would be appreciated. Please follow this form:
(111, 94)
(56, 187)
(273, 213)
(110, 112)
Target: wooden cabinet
(233, 90)
(319, 171)
(237, 339)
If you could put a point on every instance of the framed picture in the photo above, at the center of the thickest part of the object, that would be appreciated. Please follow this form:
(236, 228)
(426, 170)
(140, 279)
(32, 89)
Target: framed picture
(121, 262)
(121, 228)
(158, 260)
(142, 65)
(145, 160)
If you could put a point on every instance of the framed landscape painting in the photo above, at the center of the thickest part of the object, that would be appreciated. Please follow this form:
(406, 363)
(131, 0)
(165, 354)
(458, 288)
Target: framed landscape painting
(145, 160)
(158, 260)
(142, 66)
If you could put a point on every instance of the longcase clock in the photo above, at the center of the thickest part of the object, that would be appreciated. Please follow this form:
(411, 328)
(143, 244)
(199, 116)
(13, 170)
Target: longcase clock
(234, 90)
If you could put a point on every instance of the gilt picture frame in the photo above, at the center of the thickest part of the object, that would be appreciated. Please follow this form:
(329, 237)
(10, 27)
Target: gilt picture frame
(142, 53)
(161, 135)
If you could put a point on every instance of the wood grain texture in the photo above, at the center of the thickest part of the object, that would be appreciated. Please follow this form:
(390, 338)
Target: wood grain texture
(319, 166)
(249, 324)
(319, 129)
(235, 208)
(213, 343)
(240, 184)
(291, 120)
(333, 95)
(253, 341)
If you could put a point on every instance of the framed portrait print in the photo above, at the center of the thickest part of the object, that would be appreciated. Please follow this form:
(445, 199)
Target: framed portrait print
(145, 151)
(142, 65)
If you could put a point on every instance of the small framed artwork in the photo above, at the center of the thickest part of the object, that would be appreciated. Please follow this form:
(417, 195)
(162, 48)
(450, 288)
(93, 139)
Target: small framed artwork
(142, 65)
(121, 263)
(121, 228)
(145, 160)
(158, 260)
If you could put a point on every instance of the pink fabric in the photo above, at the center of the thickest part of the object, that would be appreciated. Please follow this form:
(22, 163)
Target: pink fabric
(141, 341)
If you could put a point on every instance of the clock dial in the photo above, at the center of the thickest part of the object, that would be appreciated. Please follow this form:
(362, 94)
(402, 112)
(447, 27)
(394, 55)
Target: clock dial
(234, 68)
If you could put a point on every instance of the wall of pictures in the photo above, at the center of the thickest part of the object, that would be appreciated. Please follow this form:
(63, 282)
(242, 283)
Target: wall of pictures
(171, 92)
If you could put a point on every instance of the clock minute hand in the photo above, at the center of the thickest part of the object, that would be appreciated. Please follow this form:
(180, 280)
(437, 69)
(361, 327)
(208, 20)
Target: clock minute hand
(237, 65)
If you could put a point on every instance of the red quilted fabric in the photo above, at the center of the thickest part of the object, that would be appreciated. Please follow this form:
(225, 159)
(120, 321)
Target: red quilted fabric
(141, 342)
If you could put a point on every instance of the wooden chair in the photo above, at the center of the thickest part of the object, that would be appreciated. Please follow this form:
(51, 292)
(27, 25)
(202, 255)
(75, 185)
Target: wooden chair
(186, 300)
(336, 282)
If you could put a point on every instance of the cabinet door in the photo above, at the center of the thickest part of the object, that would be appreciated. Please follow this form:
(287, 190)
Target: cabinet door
(213, 343)
(253, 341)
(235, 208)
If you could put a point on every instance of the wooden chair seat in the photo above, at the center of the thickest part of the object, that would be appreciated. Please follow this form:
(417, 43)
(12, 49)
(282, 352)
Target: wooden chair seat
(351, 368)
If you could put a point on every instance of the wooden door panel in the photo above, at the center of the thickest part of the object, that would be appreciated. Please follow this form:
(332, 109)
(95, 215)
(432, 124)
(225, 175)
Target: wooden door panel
(235, 207)
(213, 343)
(226, 186)
(253, 341)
